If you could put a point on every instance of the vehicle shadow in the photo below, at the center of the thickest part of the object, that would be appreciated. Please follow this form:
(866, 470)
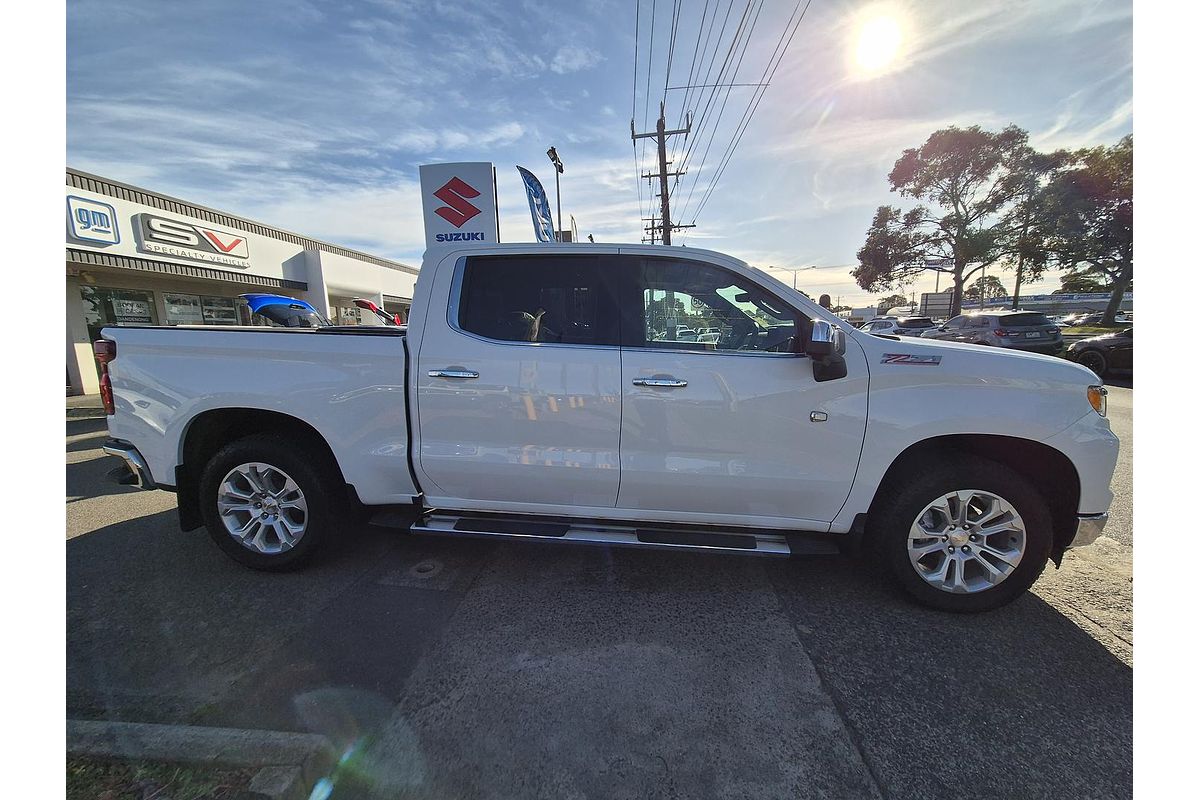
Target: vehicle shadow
(1018, 702)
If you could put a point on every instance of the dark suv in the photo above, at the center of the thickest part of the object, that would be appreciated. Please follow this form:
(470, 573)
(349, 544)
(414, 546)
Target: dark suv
(1017, 330)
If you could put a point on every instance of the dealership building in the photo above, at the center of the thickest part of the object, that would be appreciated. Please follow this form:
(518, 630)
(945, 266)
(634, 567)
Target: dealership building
(136, 257)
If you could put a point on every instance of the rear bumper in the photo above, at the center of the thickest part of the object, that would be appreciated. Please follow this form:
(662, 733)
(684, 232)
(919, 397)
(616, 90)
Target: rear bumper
(1089, 529)
(135, 472)
(1052, 348)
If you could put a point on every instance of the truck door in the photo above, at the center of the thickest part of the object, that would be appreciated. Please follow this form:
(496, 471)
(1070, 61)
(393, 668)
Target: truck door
(518, 386)
(738, 426)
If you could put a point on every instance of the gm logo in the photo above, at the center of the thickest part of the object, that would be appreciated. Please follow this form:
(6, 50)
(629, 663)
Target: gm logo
(92, 221)
(455, 194)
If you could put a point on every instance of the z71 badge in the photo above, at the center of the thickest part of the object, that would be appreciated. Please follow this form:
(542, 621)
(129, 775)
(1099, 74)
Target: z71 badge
(911, 358)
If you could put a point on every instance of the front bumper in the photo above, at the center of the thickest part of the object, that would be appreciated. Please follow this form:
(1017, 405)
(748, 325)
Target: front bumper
(135, 471)
(1089, 528)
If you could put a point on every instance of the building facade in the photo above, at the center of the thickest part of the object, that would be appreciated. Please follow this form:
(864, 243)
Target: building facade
(136, 257)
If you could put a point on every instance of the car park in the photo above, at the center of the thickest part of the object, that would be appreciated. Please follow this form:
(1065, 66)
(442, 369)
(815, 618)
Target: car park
(527, 399)
(1015, 330)
(1105, 354)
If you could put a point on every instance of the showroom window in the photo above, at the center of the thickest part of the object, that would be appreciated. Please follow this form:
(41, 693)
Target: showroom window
(103, 307)
(195, 309)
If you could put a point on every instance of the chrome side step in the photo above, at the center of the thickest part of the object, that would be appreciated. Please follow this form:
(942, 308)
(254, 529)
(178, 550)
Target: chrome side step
(769, 544)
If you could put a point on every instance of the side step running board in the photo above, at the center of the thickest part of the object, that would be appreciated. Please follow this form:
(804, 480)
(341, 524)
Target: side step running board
(750, 543)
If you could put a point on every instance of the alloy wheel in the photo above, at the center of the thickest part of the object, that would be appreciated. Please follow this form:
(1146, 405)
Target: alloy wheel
(966, 541)
(262, 508)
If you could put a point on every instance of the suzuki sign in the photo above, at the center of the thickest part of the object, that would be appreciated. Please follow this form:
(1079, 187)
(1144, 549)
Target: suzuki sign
(458, 202)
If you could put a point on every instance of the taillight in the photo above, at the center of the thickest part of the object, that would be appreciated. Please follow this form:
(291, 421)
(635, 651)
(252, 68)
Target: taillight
(1001, 332)
(106, 352)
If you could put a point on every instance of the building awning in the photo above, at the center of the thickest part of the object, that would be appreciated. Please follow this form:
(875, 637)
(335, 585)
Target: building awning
(90, 258)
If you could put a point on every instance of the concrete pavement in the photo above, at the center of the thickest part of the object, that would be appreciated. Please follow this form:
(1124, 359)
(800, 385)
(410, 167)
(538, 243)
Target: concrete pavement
(478, 669)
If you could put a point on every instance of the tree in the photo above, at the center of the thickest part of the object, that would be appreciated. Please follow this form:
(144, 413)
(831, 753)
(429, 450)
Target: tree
(966, 174)
(891, 301)
(986, 288)
(1080, 282)
(1025, 224)
(1089, 209)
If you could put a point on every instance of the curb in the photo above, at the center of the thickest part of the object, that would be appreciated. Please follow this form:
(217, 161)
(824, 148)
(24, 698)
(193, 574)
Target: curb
(290, 764)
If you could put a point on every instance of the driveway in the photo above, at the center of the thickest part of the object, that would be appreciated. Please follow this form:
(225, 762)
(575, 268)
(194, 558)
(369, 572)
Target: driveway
(477, 669)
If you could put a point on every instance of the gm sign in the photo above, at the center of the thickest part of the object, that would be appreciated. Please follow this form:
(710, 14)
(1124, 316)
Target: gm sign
(92, 221)
(172, 237)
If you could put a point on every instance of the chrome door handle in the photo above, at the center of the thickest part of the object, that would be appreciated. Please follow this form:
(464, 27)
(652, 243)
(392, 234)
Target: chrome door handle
(453, 373)
(660, 383)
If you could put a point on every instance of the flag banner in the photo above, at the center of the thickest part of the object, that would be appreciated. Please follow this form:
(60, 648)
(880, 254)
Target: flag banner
(539, 206)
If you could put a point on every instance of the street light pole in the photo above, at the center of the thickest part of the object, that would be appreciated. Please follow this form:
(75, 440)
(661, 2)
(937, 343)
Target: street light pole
(558, 168)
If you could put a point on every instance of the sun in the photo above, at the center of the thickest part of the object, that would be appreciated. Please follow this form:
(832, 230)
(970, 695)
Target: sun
(878, 42)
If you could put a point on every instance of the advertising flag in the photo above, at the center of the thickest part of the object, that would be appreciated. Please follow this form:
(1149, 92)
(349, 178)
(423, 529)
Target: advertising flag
(539, 206)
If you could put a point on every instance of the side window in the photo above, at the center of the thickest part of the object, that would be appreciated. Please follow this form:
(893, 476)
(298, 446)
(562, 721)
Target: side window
(679, 298)
(979, 322)
(956, 323)
(556, 299)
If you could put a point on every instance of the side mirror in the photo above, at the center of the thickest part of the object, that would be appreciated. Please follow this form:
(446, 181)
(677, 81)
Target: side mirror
(826, 346)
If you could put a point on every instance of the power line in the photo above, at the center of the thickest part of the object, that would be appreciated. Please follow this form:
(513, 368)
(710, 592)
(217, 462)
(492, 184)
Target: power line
(721, 113)
(749, 115)
(637, 166)
(671, 47)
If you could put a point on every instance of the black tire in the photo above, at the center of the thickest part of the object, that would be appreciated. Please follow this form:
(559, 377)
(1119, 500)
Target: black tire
(889, 524)
(1093, 360)
(306, 465)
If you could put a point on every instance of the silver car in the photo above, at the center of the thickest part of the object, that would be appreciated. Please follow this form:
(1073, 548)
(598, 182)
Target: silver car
(1016, 330)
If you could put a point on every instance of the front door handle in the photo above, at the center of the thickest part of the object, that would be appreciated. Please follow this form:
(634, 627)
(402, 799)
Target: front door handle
(453, 373)
(665, 382)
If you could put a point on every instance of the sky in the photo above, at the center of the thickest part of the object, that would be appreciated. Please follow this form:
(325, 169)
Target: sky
(314, 116)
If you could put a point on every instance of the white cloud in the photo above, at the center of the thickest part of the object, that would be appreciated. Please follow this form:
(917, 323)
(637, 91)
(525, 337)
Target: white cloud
(572, 58)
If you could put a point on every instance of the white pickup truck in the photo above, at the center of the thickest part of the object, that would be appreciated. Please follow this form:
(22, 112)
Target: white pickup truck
(538, 393)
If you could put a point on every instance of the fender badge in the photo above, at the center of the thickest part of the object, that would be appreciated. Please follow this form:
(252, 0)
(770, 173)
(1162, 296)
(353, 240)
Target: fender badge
(911, 358)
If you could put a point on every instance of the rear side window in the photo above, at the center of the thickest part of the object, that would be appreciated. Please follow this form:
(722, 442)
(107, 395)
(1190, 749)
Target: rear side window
(1022, 320)
(551, 299)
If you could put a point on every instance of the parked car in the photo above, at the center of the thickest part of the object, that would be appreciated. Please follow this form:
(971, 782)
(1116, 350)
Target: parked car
(378, 315)
(1015, 330)
(898, 326)
(277, 310)
(1104, 354)
(963, 470)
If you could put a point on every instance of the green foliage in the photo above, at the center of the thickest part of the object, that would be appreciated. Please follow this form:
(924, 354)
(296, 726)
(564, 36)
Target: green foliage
(986, 288)
(969, 176)
(891, 301)
(1089, 212)
(1083, 281)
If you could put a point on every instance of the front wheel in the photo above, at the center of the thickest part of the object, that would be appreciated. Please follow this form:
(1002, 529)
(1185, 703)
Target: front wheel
(1095, 361)
(968, 535)
(267, 502)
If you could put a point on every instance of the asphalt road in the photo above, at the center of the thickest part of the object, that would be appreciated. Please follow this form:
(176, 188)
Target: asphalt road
(478, 669)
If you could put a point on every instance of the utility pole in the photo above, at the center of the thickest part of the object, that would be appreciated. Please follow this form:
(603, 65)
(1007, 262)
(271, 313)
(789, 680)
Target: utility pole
(660, 134)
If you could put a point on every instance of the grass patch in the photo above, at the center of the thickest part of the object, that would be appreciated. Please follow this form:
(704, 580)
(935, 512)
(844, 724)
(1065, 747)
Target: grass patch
(89, 779)
(1095, 330)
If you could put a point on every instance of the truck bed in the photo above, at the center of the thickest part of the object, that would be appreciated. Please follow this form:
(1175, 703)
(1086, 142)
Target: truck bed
(346, 382)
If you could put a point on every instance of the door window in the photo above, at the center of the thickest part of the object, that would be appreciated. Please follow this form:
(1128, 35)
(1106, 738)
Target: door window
(557, 299)
(956, 323)
(680, 297)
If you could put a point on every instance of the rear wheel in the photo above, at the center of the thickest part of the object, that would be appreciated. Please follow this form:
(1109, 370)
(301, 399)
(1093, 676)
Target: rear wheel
(1095, 361)
(268, 502)
(968, 535)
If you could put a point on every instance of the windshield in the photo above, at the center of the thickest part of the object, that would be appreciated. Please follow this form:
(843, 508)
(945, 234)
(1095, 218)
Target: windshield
(916, 322)
(1026, 319)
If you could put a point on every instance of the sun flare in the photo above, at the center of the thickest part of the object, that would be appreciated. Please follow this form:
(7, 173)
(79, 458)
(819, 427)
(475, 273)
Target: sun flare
(879, 40)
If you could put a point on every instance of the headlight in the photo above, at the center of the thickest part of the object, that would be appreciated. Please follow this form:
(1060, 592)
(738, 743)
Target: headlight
(1098, 397)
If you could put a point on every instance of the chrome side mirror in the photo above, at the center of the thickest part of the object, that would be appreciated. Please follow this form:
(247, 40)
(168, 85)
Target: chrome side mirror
(826, 340)
(826, 346)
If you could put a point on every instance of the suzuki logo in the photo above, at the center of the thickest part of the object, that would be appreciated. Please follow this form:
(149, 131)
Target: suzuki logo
(454, 194)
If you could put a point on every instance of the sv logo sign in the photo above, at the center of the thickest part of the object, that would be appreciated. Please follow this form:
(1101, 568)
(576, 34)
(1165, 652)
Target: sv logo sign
(163, 235)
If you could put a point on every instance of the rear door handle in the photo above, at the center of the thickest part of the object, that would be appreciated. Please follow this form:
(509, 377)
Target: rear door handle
(665, 382)
(453, 373)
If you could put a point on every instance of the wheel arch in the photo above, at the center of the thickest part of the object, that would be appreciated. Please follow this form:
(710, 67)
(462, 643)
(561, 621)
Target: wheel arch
(1050, 471)
(210, 430)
